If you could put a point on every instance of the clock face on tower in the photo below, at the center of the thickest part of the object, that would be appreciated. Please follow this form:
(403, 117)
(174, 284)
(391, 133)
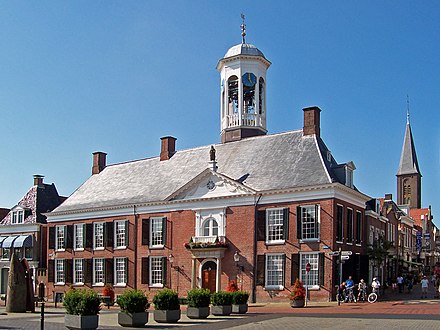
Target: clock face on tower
(249, 79)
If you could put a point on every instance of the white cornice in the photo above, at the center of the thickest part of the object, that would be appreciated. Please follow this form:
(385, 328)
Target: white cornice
(17, 229)
(327, 191)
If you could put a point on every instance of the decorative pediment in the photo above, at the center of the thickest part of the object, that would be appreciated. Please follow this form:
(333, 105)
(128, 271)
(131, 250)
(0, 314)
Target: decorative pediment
(210, 184)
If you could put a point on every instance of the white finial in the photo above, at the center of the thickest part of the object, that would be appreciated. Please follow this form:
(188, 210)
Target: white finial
(407, 109)
(243, 29)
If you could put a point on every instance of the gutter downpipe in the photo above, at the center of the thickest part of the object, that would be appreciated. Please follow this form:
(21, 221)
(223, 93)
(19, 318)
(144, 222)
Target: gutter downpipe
(254, 279)
(135, 245)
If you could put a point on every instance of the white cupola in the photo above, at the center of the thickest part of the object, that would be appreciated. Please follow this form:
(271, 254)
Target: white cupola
(243, 91)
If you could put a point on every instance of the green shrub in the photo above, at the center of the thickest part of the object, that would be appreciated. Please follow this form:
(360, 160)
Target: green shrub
(133, 301)
(240, 297)
(166, 299)
(82, 302)
(199, 298)
(221, 298)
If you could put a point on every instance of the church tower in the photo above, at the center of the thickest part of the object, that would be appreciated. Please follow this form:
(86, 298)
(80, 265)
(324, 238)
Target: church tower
(243, 91)
(409, 178)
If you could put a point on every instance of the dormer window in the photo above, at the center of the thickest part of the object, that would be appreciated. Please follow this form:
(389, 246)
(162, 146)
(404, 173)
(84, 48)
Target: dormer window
(349, 169)
(17, 216)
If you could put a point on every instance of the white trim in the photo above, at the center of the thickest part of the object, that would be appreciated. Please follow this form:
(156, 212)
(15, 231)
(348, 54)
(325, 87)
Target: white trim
(276, 241)
(325, 191)
(273, 287)
(204, 261)
(75, 226)
(94, 236)
(115, 237)
(322, 159)
(64, 238)
(155, 285)
(310, 287)
(19, 228)
(121, 284)
(94, 283)
(150, 239)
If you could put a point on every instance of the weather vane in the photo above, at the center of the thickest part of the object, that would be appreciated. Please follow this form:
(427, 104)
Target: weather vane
(243, 29)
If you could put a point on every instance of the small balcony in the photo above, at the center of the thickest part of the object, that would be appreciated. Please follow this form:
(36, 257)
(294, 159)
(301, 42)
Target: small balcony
(206, 242)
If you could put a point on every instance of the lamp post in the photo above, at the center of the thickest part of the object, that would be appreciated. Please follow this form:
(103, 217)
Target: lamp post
(237, 260)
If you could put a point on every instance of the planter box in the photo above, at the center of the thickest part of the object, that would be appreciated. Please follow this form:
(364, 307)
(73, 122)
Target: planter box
(81, 321)
(239, 309)
(297, 303)
(166, 316)
(222, 310)
(135, 320)
(197, 312)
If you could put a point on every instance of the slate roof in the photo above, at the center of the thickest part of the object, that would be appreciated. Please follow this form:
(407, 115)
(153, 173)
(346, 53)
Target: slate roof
(273, 162)
(38, 200)
(408, 158)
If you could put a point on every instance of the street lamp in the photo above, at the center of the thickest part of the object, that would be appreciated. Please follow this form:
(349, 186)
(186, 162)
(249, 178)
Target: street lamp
(239, 268)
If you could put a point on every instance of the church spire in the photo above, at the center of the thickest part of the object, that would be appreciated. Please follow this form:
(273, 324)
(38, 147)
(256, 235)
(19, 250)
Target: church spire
(409, 178)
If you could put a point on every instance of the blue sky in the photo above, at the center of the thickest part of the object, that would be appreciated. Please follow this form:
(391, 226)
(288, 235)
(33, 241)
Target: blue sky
(115, 76)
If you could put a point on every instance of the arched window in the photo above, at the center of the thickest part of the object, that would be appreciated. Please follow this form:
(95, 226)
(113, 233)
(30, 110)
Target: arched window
(232, 95)
(210, 227)
(261, 96)
(249, 82)
(406, 192)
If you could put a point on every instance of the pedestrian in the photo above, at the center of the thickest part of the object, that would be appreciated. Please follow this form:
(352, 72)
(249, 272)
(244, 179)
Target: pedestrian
(425, 284)
(400, 283)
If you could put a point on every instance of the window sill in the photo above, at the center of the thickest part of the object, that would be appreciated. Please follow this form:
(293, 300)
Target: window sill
(101, 248)
(120, 247)
(60, 283)
(60, 250)
(98, 284)
(349, 243)
(78, 249)
(313, 288)
(156, 247)
(310, 240)
(120, 285)
(340, 242)
(358, 244)
(275, 242)
(274, 288)
(156, 286)
(78, 284)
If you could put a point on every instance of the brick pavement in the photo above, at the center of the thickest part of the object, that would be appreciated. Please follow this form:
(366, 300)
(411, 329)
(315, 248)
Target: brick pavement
(404, 311)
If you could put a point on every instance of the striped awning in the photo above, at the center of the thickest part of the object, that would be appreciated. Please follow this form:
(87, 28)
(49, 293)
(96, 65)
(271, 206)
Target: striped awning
(8, 242)
(23, 241)
(2, 238)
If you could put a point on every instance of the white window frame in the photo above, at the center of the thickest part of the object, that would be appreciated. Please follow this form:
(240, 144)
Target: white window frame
(210, 222)
(279, 257)
(62, 279)
(117, 262)
(269, 218)
(314, 269)
(95, 270)
(78, 271)
(155, 272)
(4, 250)
(31, 255)
(342, 223)
(78, 227)
(59, 229)
(352, 226)
(317, 222)
(116, 232)
(101, 246)
(156, 222)
(218, 214)
(360, 228)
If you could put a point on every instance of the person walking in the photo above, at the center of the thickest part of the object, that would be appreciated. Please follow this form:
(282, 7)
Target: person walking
(400, 283)
(425, 284)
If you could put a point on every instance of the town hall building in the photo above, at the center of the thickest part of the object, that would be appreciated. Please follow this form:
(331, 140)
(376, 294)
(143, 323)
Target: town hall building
(255, 208)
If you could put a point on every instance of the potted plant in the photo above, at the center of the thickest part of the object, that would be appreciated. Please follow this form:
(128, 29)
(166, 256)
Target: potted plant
(239, 302)
(134, 305)
(108, 295)
(167, 307)
(198, 303)
(232, 286)
(82, 308)
(298, 294)
(221, 303)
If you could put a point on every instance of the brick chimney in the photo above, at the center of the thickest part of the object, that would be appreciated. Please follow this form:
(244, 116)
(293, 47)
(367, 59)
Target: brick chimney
(99, 162)
(38, 180)
(168, 147)
(312, 121)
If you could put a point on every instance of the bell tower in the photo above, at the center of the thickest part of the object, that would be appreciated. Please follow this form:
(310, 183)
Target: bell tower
(242, 91)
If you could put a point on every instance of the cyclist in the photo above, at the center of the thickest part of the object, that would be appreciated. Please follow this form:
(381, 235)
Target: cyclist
(375, 285)
(342, 292)
(362, 289)
(349, 289)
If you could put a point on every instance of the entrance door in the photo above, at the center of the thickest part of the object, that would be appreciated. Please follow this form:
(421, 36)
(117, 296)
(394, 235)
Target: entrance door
(209, 273)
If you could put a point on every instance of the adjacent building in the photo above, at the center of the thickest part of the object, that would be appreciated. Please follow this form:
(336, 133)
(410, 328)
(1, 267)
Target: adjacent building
(23, 231)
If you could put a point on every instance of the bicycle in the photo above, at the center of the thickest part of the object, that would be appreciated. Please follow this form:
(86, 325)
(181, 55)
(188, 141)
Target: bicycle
(350, 297)
(372, 297)
(362, 296)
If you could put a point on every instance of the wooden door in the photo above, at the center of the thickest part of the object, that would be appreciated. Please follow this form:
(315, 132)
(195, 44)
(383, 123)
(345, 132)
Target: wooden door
(208, 279)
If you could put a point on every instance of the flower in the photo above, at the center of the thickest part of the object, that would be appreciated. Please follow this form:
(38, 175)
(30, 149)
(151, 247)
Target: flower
(232, 286)
(298, 291)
